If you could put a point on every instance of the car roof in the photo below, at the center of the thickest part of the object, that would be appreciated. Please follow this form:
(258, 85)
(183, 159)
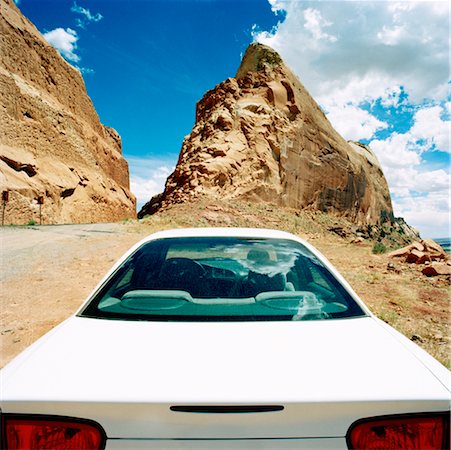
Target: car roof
(223, 232)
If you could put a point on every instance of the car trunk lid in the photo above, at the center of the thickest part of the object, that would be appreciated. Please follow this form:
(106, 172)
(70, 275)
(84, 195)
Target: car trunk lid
(209, 380)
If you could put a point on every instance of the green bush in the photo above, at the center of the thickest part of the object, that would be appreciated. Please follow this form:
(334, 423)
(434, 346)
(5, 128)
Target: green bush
(379, 248)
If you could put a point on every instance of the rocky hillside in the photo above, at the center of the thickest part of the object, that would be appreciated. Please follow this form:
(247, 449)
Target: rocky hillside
(52, 144)
(261, 136)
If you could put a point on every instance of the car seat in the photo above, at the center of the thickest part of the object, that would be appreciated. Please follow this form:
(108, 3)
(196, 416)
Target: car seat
(258, 279)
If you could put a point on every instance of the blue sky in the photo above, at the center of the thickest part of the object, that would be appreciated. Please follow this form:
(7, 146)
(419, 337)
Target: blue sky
(379, 69)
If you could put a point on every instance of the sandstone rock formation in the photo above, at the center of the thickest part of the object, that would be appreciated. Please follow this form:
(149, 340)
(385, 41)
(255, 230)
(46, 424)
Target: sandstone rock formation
(261, 136)
(52, 144)
(429, 255)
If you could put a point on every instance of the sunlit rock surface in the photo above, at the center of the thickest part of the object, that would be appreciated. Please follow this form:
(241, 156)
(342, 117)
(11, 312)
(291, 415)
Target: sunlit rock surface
(52, 144)
(261, 136)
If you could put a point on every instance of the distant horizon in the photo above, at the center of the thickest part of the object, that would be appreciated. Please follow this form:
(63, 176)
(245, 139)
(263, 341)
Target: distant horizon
(147, 63)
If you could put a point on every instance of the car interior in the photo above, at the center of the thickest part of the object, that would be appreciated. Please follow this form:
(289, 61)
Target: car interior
(224, 278)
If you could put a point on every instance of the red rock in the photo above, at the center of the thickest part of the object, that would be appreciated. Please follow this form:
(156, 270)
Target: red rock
(286, 149)
(423, 259)
(418, 245)
(432, 246)
(55, 146)
(436, 269)
(442, 268)
(438, 256)
(429, 271)
(400, 252)
(414, 255)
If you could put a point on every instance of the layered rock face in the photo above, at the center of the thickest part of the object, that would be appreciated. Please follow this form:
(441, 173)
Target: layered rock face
(52, 144)
(261, 136)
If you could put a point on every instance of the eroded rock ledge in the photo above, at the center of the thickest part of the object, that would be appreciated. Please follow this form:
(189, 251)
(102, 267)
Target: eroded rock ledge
(261, 136)
(53, 146)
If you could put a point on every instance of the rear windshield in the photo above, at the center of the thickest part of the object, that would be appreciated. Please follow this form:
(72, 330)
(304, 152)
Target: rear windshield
(222, 279)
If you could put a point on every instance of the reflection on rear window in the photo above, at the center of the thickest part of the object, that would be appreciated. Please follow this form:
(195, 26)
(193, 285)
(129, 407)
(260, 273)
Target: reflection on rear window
(222, 279)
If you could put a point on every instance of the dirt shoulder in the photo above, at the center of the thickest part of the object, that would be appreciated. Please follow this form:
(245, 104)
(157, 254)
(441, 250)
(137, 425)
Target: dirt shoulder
(47, 272)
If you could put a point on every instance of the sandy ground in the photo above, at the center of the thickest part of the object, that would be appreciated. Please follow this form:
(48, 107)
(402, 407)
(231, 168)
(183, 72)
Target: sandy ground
(47, 272)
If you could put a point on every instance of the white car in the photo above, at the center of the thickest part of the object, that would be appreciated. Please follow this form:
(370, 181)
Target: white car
(224, 339)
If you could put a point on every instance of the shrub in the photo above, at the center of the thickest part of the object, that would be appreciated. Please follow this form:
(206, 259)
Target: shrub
(379, 248)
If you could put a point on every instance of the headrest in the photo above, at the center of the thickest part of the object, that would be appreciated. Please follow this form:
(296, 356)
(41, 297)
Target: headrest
(258, 256)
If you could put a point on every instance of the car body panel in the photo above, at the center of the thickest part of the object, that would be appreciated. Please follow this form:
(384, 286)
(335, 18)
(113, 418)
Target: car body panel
(227, 444)
(126, 375)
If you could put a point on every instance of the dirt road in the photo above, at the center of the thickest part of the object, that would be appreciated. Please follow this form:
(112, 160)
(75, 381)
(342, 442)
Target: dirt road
(46, 272)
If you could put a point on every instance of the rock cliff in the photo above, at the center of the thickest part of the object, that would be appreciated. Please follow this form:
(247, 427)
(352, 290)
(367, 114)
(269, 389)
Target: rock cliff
(52, 144)
(261, 136)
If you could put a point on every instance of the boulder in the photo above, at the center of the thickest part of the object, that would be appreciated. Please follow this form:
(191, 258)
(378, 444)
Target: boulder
(423, 258)
(432, 246)
(418, 246)
(438, 256)
(151, 207)
(420, 252)
(414, 256)
(399, 253)
(405, 251)
(426, 252)
(436, 269)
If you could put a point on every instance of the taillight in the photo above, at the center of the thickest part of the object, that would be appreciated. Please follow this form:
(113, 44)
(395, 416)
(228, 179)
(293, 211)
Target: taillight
(406, 432)
(36, 432)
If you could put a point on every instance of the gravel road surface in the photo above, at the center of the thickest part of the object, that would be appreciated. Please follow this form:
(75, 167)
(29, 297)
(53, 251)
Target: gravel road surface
(46, 272)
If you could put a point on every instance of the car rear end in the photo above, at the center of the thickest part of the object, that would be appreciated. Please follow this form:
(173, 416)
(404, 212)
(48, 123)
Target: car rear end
(250, 385)
(168, 354)
(232, 427)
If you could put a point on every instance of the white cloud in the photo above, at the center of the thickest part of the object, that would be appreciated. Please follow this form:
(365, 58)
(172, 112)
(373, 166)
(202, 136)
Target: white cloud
(386, 41)
(430, 213)
(65, 41)
(355, 90)
(315, 23)
(87, 16)
(396, 152)
(419, 194)
(391, 97)
(432, 181)
(400, 154)
(408, 182)
(354, 123)
(431, 128)
(276, 5)
(404, 150)
(148, 177)
(360, 59)
(391, 35)
(86, 70)
(144, 189)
